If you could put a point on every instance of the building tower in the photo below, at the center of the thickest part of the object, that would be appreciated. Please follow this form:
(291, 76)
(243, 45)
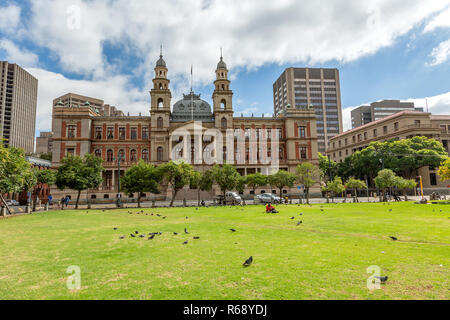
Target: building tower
(222, 98)
(160, 112)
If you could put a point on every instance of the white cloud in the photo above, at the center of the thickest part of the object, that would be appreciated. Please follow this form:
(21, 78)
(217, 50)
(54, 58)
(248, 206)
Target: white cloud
(440, 54)
(114, 91)
(9, 18)
(252, 33)
(13, 54)
(442, 20)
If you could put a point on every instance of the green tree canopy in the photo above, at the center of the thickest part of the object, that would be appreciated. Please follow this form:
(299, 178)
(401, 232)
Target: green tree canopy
(444, 170)
(256, 180)
(43, 177)
(335, 187)
(327, 167)
(386, 179)
(177, 175)
(79, 174)
(226, 176)
(141, 177)
(307, 175)
(355, 184)
(405, 184)
(282, 179)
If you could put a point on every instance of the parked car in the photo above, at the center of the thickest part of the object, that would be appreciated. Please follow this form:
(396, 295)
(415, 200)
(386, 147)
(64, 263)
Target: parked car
(12, 203)
(232, 198)
(268, 198)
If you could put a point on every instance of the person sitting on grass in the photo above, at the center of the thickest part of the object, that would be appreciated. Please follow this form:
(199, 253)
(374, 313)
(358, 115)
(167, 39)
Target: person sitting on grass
(270, 208)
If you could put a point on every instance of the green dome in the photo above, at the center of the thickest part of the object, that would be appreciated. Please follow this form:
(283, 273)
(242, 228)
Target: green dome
(182, 110)
(161, 62)
(221, 64)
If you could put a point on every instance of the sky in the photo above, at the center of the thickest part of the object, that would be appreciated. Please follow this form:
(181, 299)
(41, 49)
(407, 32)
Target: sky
(107, 49)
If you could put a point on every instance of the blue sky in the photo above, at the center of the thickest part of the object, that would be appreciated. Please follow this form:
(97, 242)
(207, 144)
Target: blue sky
(107, 49)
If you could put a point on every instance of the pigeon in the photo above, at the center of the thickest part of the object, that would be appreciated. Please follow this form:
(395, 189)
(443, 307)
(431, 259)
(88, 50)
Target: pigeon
(175, 234)
(196, 208)
(141, 236)
(393, 238)
(299, 223)
(164, 217)
(137, 232)
(132, 235)
(115, 228)
(185, 231)
(122, 237)
(321, 210)
(301, 214)
(233, 230)
(187, 218)
(248, 262)
(390, 210)
(151, 237)
(292, 218)
(158, 215)
(196, 238)
(186, 242)
(382, 279)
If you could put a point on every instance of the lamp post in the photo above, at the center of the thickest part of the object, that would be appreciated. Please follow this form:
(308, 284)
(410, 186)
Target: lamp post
(119, 158)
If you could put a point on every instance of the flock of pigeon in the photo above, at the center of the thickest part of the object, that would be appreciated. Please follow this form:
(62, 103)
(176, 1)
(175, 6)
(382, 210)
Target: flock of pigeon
(152, 235)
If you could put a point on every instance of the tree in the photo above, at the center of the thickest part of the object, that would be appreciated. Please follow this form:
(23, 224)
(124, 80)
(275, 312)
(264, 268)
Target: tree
(386, 179)
(404, 185)
(43, 177)
(355, 184)
(282, 179)
(327, 167)
(141, 177)
(177, 175)
(13, 171)
(79, 174)
(30, 181)
(345, 169)
(206, 181)
(335, 187)
(226, 176)
(256, 180)
(444, 170)
(307, 175)
(240, 186)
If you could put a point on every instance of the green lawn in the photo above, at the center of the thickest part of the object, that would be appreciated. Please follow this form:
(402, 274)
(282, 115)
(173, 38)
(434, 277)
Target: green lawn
(324, 258)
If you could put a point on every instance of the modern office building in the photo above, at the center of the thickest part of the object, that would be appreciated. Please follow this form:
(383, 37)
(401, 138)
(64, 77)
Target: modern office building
(44, 143)
(18, 101)
(82, 125)
(312, 88)
(379, 110)
(401, 125)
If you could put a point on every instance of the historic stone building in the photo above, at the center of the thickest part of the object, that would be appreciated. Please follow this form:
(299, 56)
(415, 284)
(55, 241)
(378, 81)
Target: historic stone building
(252, 144)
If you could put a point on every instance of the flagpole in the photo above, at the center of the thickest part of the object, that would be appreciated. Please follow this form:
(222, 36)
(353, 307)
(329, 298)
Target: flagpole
(192, 93)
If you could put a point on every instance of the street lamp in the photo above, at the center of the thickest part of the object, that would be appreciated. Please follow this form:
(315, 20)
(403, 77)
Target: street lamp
(119, 159)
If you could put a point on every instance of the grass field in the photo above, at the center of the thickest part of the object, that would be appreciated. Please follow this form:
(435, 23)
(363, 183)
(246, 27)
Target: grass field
(326, 257)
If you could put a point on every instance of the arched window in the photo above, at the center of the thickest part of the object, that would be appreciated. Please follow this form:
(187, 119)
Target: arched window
(224, 123)
(145, 155)
(160, 86)
(133, 155)
(160, 103)
(223, 104)
(160, 123)
(224, 154)
(109, 156)
(160, 154)
(98, 153)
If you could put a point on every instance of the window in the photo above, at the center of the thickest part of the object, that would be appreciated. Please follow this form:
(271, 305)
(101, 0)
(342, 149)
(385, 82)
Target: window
(110, 133)
(374, 132)
(279, 133)
(303, 153)
(281, 153)
(98, 153)
(223, 103)
(353, 139)
(224, 123)
(269, 134)
(71, 131)
(108, 178)
(433, 180)
(122, 133)
(385, 130)
(133, 133)
(359, 137)
(417, 123)
(109, 156)
(159, 154)
(71, 151)
(133, 155)
(396, 126)
(365, 135)
(346, 141)
(98, 133)
(145, 133)
(160, 103)
(160, 123)
(302, 132)
(145, 155)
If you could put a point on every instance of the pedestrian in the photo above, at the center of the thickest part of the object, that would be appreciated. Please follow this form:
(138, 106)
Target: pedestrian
(67, 200)
(50, 200)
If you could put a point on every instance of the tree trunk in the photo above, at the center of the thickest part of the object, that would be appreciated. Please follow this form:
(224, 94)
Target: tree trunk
(281, 194)
(78, 199)
(174, 194)
(307, 196)
(139, 200)
(406, 195)
(198, 197)
(328, 196)
(4, 202)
